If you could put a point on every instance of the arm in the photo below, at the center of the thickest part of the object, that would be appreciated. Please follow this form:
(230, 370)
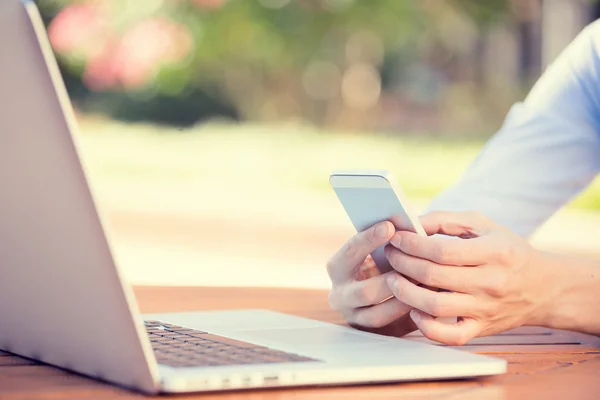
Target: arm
(577, 294)
(546, 152)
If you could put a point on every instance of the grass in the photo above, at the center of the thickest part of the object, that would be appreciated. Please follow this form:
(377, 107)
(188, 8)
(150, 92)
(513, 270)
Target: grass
(274, 158)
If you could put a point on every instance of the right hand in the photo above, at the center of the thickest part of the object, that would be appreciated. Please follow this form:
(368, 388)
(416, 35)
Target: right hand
(360, 293)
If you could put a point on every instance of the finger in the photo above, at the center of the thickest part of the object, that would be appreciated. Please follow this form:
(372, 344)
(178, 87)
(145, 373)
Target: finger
(343, 264)
(439, 304)
(456, 279)
(455, 334)
(464, 224)
(398, 328)
(443, 251)
(367, 270)
(362, 293)
(378, 315)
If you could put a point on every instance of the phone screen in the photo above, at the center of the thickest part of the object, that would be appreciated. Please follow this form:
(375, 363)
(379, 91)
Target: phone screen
(367, 206)
(369, 200)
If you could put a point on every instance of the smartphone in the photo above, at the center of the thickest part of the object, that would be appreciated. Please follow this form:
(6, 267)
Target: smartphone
(370, 197)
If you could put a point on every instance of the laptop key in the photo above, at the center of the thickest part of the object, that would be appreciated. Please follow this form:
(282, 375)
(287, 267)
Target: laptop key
(185, 330)
(180, 347)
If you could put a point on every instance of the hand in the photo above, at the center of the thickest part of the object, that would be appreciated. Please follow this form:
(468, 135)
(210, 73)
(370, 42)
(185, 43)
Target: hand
(494, 277)
(360, 292)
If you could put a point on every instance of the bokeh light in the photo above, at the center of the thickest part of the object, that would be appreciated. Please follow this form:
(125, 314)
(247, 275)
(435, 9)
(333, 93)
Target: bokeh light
(329, 57)
(210, 127)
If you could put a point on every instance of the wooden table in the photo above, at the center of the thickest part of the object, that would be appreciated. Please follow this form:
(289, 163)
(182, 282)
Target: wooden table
(542, 363)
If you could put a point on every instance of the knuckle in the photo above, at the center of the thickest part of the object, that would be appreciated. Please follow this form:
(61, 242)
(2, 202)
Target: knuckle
(459, 340)
(437, 306)
(330, 267)
(442, 253)
(429, 275)
(333, 300)
(490, 311)
(409, 242)
(349, 316)
(352, 248)
(436, 309)
(506, 255)
(363, 294)
(497, 286)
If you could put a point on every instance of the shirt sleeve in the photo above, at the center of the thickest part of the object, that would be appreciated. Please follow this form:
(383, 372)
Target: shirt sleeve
(547, 150)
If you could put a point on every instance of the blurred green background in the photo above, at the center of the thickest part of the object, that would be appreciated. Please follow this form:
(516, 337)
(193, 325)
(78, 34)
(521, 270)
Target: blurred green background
(234, 112)
(436, 66)
(412, 76)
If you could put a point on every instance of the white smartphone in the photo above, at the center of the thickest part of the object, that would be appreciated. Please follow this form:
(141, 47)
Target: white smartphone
(370, 197)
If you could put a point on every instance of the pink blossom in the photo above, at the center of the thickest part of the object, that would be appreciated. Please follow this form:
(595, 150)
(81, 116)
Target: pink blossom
(129, 59)
(147, 45)
(80, 28)
(102, 70)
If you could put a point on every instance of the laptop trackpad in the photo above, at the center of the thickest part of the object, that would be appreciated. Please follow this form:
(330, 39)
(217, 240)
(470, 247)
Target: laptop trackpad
(326, 336)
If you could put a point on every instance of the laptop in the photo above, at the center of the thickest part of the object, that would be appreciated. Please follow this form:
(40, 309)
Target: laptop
(63, 300)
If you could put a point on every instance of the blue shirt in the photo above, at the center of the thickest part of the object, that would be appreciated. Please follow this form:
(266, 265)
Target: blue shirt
(547, 150)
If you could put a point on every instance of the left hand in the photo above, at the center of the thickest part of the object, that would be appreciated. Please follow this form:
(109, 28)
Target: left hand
(494, 277)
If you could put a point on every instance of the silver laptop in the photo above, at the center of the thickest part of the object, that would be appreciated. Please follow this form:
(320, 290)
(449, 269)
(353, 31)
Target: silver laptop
(63, 300)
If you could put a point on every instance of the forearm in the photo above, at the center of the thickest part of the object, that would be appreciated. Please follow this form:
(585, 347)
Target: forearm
(573, 301)
(547, 149)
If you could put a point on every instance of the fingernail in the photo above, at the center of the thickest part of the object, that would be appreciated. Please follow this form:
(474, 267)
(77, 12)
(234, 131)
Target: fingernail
(415, 316)
(396, 240)
(391, 281)
(382, 230)
(386, 250)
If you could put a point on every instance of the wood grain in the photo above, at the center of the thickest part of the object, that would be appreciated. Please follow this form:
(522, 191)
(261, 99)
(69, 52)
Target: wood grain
(542, 362)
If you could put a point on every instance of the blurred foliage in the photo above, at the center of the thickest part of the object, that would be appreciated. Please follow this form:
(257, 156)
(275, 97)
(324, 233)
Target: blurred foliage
(332, 62)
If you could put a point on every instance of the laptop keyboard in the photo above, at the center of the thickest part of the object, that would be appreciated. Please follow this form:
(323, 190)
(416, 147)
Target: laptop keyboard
(177, 346)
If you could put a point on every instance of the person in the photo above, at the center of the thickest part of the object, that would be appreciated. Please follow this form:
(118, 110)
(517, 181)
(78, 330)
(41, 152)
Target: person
(545, 153)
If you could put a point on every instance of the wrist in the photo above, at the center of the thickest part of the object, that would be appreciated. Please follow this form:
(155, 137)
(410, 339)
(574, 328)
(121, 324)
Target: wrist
(550, 287)
(568, 295)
